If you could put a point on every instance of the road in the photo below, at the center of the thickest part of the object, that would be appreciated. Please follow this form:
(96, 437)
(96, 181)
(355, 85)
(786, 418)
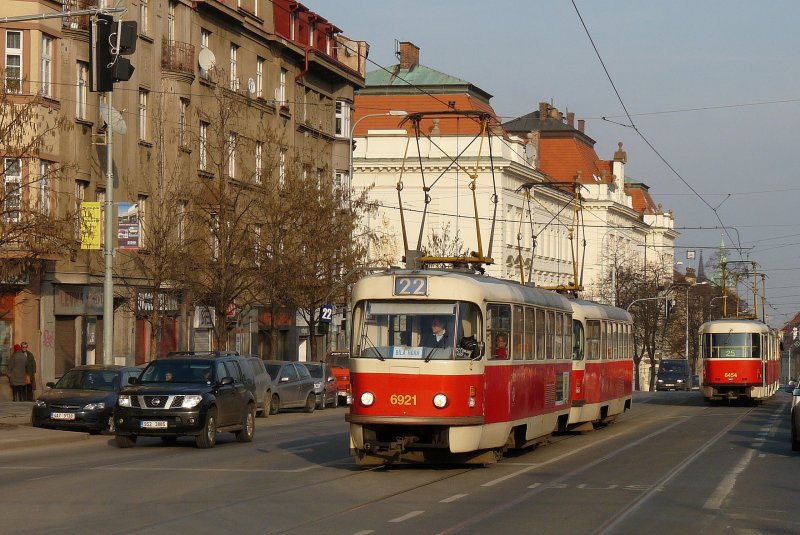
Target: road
(671, 465)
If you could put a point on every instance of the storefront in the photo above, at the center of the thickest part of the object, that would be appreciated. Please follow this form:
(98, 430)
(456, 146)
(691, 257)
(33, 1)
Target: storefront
(161, 330)
(78, 339)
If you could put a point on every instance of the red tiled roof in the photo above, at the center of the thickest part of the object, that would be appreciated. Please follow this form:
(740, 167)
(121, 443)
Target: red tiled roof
(563, 157)
(448, 125)
(642, 201)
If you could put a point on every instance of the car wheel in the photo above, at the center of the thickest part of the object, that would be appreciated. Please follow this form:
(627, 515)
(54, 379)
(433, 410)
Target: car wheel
(275, 404)
(321, 404)
(208, 436)
(311, 402)
(126, 441)
(266, 409)
(249, 429)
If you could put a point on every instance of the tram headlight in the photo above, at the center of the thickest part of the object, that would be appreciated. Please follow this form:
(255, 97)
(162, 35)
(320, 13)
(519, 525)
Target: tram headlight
(440, 401)
(367, 399)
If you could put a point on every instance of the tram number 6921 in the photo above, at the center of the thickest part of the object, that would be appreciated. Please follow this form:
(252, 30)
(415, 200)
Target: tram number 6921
(403, 399)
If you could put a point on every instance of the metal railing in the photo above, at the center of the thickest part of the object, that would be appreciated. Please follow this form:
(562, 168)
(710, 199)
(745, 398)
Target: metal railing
(177, 56)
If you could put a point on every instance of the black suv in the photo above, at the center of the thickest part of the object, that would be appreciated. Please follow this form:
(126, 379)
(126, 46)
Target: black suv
(187, 394)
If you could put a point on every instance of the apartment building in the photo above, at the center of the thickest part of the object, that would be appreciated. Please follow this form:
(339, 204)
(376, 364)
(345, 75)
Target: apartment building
(290, 69)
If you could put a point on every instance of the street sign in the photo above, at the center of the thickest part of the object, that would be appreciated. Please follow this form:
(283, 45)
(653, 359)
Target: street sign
(326, 314)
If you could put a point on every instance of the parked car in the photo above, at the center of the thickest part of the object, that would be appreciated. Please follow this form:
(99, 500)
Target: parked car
(187, 394)
(83, 398)
(261, 385)
(695, 382)
(339, 361)
(292, 386)
(326, 388)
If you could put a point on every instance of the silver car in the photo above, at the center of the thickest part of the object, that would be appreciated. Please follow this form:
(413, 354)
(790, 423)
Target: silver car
(326, 388)
(292, 386)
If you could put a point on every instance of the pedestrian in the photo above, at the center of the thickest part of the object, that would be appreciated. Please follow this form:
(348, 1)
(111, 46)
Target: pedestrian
(16, 373)
(30, 372)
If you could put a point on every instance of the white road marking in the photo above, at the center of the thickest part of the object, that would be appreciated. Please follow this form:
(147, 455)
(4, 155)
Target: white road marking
(405, 517)
(452, 498)
(534, 485)
(364, 532)
(726, 485)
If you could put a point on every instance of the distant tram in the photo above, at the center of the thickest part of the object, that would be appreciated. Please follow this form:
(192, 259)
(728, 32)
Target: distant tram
(741, 360)
(452, 366)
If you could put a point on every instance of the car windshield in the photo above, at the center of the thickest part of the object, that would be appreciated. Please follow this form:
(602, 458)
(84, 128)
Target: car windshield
(672, 367)
(167, 371)
(416, 330)
(89, 380)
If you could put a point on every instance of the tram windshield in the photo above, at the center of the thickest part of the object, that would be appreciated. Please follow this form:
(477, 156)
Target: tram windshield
(731, 345)
(416, 330)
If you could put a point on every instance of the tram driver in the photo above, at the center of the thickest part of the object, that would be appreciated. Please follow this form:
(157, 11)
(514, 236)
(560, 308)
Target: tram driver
(438, 337)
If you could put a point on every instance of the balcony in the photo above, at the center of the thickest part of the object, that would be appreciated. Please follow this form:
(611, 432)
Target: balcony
(80, 22)
(177, 57)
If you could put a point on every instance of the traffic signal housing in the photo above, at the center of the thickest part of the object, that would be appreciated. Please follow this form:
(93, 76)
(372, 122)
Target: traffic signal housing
(110, 40)
(669, 306)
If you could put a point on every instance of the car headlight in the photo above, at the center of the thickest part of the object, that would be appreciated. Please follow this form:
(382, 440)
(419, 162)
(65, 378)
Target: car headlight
(660, 380)
(192, 400)
(95, 406)
(124, 401)
(440, 401)
(680, 380)
(367, 399)
(39, 403)
(318, 385)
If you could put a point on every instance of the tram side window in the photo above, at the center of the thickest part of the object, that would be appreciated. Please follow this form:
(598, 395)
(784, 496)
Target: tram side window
(550, 330)
(756, 346)
(559, 340)
(530, 333)
(518, 332)
(498, 327)
(567, 322)
(593, 340)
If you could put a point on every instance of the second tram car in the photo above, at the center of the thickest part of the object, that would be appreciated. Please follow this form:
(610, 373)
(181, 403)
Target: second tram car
(451, 366)
(741, 360)
(602, 363)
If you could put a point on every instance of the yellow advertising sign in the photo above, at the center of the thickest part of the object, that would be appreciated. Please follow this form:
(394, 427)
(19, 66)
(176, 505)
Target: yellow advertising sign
(90, 225)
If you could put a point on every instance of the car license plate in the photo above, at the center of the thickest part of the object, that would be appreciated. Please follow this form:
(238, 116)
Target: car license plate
(157, 424)
(62, 416)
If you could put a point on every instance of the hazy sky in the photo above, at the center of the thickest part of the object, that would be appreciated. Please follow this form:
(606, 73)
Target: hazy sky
(713, 86)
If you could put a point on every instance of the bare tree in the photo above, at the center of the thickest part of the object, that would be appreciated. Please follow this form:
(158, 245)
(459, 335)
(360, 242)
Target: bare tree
(37, 223)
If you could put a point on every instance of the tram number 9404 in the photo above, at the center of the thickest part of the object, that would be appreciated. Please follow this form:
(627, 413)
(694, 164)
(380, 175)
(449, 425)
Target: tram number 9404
(731, 375)
(403, 399)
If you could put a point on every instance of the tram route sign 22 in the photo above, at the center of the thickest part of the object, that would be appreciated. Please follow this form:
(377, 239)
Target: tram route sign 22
(326, 314)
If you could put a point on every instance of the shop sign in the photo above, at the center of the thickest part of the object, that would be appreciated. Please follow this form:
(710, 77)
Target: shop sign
(167, 302)
(78, 301)
(204, 317)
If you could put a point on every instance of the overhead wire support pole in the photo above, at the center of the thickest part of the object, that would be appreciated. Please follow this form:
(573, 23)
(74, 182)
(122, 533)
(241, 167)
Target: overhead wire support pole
(108, 250)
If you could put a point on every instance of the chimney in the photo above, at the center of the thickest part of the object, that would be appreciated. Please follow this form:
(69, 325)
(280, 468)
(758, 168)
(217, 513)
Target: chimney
(581, 122)
(620, 155)
(409, 55)
(543, 111)
(571, 119)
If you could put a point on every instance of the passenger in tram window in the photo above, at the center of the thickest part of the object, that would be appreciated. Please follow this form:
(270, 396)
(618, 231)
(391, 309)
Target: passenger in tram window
(501, 346)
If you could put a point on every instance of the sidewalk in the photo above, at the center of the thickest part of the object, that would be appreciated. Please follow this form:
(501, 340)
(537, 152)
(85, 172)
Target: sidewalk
(16, 430)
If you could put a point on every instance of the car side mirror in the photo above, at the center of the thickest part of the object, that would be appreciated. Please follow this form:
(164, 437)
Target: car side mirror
(226, 381)
(132, 380)
(50, 384)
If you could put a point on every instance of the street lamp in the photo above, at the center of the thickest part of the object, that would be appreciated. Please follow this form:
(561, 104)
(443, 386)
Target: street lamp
(390, 113)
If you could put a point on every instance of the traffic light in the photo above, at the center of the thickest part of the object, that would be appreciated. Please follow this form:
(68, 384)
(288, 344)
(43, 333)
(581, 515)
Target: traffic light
(110, 40)
(669, 305)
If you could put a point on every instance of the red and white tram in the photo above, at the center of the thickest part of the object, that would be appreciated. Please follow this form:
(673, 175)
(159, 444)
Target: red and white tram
(602, 363)
(497, 377)
(741, 359)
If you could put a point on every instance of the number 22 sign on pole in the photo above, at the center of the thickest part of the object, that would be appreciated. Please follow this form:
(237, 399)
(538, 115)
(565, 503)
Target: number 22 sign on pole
(326, 313)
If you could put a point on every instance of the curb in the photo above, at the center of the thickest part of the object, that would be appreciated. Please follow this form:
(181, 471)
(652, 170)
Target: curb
(14, 436)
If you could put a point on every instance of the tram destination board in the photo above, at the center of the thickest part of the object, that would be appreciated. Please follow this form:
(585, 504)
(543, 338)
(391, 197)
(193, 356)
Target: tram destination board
(410, 285)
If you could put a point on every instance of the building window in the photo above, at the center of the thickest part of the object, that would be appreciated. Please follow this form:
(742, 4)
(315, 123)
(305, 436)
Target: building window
(205, 38)
(342, 118)
(44, 187)
(13, 61)
(203, 145)
(184, 109)
(143, 17)
(281, 96)
(143, 94)
(282, 169)
(80, 196)
(13, 184)
(47, 66)
(259, 148)
(141, 206)
(234, 81)
(259, 77)
(258, 230)
(232, 154)
(341, 181)
(82, 92)
(171, 20)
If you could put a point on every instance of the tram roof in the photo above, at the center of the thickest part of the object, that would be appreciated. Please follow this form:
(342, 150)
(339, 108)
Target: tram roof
(594, 310)
(486, 288)
(735, 324)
